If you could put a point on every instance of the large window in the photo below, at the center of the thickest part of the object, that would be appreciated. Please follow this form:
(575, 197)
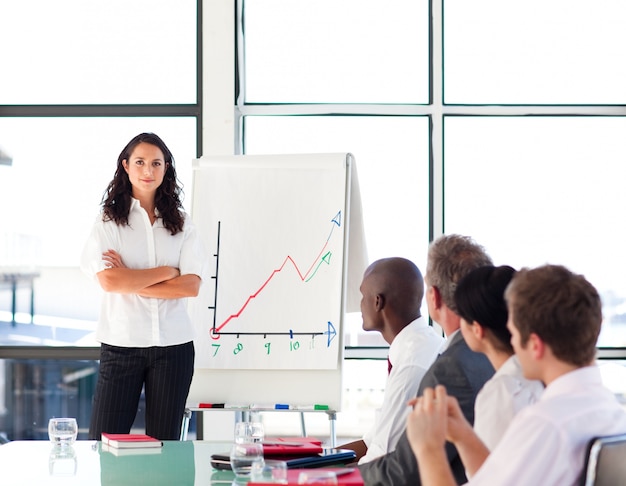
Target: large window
(436, 115)
(79, 81)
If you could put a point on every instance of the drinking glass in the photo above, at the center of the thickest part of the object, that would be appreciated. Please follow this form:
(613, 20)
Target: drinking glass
(242, 455)
(249, 432)
(269, 471)
(62, 431)
(316, 476)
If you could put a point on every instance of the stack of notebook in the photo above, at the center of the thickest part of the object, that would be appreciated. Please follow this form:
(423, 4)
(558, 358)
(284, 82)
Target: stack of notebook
(124, 444)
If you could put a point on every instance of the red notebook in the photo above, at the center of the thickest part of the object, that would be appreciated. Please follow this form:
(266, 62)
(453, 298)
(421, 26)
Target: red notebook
(347, 476)
(130, 441)
(287, 446)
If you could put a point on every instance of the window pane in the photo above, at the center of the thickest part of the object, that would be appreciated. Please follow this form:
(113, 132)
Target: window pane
(37, 389)
(78, 52)
(61, 167)
(329, 51)
(538, 190)
(391, 154)
(533, 51)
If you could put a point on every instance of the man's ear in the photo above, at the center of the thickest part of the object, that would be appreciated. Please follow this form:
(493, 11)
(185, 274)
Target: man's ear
(436, 298)
(537, 346)
(379, 303)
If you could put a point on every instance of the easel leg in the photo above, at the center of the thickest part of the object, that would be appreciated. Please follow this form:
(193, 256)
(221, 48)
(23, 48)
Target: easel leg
(332, 418)
(302, 424)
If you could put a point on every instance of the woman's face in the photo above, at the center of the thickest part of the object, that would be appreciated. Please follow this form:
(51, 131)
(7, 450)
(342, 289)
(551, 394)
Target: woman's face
(145, 168)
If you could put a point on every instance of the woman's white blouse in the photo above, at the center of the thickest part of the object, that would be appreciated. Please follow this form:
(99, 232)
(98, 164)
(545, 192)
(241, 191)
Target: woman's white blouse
(129, 320)
(500, 399)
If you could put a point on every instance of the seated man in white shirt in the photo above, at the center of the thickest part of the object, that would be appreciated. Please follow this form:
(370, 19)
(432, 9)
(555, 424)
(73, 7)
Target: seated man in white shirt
(392, 290)
(554, 318)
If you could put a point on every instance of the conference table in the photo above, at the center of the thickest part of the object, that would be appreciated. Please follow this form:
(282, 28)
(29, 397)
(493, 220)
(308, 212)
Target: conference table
(39, 462)
(89, 463)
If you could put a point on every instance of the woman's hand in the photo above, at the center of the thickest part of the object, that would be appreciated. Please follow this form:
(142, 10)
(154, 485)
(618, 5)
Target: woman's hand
(113, 259)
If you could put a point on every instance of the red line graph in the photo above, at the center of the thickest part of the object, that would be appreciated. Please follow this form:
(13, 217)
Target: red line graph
(325, 257)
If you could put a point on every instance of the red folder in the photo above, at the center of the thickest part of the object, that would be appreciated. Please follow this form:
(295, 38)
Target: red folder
(287, 446)
(352, 478)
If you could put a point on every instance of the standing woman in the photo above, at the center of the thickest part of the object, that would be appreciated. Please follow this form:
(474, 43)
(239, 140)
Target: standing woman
(147, 256)
(479, 298)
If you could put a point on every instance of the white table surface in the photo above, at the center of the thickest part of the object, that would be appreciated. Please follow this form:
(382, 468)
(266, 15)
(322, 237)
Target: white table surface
(31, 463)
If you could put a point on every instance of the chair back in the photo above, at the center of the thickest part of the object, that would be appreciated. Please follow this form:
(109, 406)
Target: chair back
(605, 463)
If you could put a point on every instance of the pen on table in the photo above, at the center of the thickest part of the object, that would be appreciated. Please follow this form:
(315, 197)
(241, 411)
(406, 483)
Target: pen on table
(211, 405)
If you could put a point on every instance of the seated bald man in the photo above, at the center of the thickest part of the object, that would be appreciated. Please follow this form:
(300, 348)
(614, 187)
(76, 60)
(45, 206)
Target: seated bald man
(392, 292)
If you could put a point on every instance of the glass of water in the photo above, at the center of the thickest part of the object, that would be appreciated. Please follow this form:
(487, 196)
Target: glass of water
(242, 456)
(62, 431)
(249, 432)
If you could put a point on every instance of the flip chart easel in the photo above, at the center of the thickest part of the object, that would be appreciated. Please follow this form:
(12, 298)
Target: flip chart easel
(286, 236)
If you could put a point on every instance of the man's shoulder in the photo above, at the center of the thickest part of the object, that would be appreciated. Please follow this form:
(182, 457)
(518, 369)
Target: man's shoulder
(459, 367)
(419, 338)
(459, 354)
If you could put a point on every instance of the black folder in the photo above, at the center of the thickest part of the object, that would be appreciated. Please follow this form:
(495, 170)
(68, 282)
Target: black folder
(328, 457)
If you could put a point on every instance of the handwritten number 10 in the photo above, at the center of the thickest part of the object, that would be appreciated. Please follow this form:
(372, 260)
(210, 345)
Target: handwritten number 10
(293, 345)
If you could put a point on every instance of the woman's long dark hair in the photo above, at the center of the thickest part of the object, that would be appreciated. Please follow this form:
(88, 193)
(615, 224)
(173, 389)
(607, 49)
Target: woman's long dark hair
(479, 297)
(117, 197)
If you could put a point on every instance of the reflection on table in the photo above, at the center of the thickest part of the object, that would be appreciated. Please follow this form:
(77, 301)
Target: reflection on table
(85, 463)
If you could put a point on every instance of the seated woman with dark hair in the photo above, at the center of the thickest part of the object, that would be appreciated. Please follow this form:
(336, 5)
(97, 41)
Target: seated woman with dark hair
(479, 297)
